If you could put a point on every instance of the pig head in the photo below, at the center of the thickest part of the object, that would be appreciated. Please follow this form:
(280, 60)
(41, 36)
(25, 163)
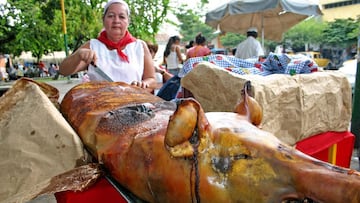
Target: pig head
(167, 152)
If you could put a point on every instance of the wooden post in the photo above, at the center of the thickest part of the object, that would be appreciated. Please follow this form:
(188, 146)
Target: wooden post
(64, 30)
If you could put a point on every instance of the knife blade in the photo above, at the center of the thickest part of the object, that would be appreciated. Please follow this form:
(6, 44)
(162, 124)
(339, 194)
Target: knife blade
(100, 72)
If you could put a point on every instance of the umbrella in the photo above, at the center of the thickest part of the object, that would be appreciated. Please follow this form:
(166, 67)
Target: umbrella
(272, 17)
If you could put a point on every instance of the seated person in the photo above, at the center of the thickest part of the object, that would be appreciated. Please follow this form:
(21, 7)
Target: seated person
(161, 74)
(200, 49)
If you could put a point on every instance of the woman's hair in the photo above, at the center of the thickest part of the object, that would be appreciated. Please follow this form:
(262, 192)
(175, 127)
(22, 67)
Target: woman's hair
(171, 41)
(152, 47)
(191, 44)
(199, 39)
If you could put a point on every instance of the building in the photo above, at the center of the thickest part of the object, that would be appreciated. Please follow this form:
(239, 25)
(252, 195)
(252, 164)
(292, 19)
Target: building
(340, 9)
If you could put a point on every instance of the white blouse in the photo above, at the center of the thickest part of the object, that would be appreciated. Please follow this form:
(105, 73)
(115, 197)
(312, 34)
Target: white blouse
(113, 66)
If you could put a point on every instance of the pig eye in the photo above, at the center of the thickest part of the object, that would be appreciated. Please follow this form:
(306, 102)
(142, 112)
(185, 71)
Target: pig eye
(221, 164)
(241, 156)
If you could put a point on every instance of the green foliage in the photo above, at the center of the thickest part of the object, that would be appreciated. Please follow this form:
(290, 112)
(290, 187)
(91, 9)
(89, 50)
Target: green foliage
(83, 21)
(340, 33)
(231, 40)
(308, 31)
(29, 27)
(343, 32)
(8, 30)
(36, 25)
(146, 17)
(191, 24)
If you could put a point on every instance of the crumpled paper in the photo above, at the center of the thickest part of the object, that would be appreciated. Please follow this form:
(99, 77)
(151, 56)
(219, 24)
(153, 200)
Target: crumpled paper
(294, 107)
(36, 142)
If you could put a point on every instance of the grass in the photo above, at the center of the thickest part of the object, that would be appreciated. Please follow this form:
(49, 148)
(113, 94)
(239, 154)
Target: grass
(48, 79)
(39, 79)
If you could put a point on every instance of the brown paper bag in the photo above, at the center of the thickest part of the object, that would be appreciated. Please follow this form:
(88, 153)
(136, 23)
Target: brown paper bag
(36, 142)
(294, 107)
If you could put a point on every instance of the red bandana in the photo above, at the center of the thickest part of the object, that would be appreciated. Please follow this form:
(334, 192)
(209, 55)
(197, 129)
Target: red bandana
(128, 38)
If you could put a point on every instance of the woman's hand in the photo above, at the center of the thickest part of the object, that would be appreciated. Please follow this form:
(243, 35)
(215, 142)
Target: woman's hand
(141, 84)
(78, 61)
(87, 55)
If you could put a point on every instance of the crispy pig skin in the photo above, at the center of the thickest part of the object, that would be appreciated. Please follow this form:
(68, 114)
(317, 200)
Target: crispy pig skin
(167, 153)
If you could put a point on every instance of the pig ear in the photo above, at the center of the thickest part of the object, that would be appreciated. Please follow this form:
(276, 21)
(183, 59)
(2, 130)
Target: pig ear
(185, 129)
(248, 106)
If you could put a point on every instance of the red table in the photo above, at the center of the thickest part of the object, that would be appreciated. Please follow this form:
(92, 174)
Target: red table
(333, 147)
(101, 192)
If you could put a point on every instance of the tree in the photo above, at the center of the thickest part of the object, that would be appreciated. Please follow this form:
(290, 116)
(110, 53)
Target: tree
(341, 32)
(307, 31)
(36, 25)
(146, 17)
(231, 40)
(83, 20)
(8, 30)
(31, 29)
(191, 24)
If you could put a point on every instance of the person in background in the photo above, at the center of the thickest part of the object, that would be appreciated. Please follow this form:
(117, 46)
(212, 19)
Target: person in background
(51, 69)
(188, 46)
(200, 48)
(168, 84)
(3, 74)
(251, 47)
(42, 69)
(116, 52)
(161, 74)
(172, 55)
(233, 51)
(19, 72)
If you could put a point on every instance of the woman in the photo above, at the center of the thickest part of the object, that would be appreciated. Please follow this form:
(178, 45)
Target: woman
(153, 48)
(188, 46)
(118, 54)
(172, 55)
(199, 49)
(161, 74)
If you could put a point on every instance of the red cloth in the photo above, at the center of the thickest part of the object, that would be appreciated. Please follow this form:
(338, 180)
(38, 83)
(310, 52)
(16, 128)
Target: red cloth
(318, 146)
(127, 39)
(198, 51)
(101, 191)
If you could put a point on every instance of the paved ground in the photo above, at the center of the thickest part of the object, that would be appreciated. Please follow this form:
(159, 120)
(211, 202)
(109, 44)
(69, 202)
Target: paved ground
(64, 85)
(355, 160)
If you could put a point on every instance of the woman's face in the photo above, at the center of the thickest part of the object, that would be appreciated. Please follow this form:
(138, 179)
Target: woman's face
(116, 21)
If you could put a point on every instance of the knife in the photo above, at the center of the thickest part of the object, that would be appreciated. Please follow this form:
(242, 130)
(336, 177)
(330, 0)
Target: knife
(100, 72)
